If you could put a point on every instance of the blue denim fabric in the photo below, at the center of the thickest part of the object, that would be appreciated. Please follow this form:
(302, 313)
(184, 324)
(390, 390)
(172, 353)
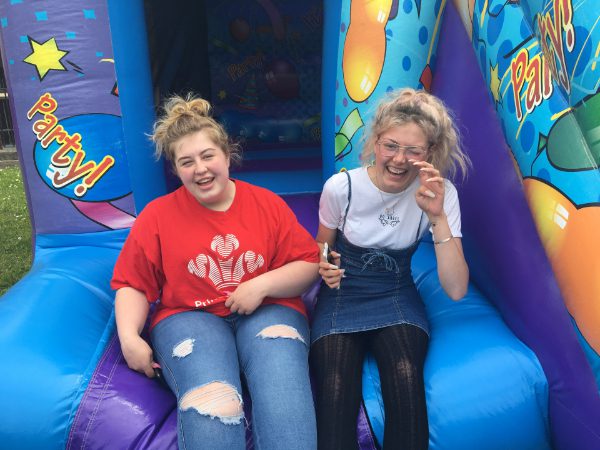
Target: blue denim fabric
(275, 370)
(378, 291)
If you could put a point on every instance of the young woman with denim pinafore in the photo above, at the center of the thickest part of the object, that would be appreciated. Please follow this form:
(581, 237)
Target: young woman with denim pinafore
(228, 262)
(373, 218)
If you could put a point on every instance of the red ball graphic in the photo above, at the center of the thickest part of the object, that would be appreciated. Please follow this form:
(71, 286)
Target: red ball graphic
(239, 29)
(282, 79)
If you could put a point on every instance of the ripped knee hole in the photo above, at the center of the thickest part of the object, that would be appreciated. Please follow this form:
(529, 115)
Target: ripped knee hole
(216, 400)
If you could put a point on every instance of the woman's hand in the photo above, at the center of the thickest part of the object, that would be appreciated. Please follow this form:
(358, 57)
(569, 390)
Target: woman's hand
(330, 271)
(430, 195)
(289, 280)
(247, 296)
(138, 355)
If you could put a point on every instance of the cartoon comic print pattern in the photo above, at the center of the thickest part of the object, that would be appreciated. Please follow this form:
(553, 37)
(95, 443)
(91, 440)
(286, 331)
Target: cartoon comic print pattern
(384, 45)
(540, 62)
(59, 66)
(265, 66)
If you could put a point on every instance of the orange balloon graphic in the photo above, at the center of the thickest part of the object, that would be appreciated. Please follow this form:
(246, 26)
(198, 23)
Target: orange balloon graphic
(571, 238)
(364, 48)
(374, 11)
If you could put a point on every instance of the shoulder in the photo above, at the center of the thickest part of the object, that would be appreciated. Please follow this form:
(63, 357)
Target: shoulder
(339, 181)
(258, 197)
(337, 178)
(243, 188)
(450, 189)
(156, 211)
(159, 205)
(451, 201)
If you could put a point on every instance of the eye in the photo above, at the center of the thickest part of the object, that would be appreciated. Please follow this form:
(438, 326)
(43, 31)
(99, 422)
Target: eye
(185, 163)
(390, 146)
(414, 151)
(207, 156)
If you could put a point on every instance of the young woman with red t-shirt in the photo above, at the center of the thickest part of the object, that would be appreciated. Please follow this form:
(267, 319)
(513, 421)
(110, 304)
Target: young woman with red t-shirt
(225, 262)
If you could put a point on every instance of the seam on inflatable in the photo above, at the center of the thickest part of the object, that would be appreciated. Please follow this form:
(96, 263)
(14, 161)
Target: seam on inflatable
(96, 363)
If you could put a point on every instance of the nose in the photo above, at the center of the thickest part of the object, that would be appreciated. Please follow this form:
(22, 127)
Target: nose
(400, 155)
(199, 167)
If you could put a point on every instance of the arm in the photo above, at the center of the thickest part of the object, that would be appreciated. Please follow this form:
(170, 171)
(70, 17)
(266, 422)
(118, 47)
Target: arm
(330, 272)
(131, 311)
(292, 265)
(289, 280)
(452, 267)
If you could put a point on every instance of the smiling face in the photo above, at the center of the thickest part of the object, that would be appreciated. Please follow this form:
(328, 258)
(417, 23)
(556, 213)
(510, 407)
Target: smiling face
(392, 172)
(203, 168)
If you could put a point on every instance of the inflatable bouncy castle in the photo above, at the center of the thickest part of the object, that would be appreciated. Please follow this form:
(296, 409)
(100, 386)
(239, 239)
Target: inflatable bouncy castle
(514, 365)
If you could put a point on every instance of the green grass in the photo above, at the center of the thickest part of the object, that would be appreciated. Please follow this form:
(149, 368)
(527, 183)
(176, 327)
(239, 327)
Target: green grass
(15, 229)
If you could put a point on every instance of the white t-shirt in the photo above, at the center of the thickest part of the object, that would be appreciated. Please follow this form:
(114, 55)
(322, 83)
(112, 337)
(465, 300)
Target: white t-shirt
(378, 219)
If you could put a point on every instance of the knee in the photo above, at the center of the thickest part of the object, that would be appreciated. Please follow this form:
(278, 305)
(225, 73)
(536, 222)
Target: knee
(409, 370)
(215, 400)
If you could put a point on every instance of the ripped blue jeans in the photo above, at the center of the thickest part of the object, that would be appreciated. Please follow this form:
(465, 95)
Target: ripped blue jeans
(202, 356)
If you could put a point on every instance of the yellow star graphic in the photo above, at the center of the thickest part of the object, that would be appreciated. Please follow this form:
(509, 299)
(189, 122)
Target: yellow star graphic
(45, 57)
(222, 94)
(495, 83)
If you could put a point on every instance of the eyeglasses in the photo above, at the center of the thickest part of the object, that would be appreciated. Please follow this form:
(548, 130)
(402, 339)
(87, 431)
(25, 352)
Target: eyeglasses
(391, 149)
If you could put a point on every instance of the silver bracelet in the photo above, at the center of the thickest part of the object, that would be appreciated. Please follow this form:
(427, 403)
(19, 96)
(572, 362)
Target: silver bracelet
(443, 241)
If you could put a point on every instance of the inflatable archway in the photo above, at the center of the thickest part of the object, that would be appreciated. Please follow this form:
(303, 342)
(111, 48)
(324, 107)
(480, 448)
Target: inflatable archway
(507, 368)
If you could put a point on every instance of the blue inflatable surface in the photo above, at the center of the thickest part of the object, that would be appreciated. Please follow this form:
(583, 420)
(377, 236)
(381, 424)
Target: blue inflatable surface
(65, 383)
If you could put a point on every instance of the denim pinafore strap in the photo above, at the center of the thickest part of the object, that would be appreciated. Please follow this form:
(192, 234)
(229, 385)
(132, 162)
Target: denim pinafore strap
(377, 290)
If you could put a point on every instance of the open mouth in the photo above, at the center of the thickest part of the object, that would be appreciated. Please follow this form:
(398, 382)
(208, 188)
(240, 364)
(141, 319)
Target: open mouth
(204, 181)
(395, 171)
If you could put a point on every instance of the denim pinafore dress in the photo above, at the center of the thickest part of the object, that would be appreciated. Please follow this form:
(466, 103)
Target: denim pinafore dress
(377, 291)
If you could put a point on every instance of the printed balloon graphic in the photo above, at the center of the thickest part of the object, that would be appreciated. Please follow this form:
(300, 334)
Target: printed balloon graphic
(239, 29)
(364, 47)
(82, 157)
(570, 236)
(282, 79)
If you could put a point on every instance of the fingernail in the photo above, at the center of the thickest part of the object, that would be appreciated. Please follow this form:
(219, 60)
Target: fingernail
(429, 193)
(428, 179)
(333, 266)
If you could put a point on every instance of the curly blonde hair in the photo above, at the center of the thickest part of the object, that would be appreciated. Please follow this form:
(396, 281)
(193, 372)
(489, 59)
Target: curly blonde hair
(182, 116)
(431, 115)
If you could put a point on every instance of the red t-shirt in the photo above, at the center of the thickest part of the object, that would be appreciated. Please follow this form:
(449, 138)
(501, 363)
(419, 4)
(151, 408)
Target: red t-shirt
(190, 256)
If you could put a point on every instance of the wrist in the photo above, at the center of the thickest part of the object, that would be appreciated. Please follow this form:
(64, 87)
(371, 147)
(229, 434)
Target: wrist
(437, 219)
(443, 241)
(262, 285)
(128, 337)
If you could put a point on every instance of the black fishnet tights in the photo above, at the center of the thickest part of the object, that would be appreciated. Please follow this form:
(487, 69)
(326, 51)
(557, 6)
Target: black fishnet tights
(337, 361)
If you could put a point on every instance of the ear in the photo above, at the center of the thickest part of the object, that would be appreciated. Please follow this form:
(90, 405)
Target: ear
(173, 165)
